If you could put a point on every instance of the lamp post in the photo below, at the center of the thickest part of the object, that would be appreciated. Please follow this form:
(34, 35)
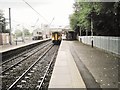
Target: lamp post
(15, 34)
(91, 23)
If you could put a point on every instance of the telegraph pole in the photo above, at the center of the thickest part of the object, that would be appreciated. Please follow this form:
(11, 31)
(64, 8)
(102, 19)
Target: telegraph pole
(91, 27)
(92, 15)
(10, 26)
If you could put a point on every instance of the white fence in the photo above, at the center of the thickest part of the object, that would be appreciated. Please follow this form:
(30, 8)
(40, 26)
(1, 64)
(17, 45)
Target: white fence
(111, 44)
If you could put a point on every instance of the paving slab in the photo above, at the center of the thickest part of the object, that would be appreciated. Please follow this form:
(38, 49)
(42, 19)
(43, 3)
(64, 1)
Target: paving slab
(65, 72)
(104, 66)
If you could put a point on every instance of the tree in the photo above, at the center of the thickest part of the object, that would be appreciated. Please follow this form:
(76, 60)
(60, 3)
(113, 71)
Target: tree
(26, 32)
(18, 33)
(81, 15)
(2, 22)
(103, 15)
(105, 22)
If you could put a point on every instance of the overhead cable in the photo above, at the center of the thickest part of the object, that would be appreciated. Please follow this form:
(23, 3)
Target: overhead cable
(35, 10)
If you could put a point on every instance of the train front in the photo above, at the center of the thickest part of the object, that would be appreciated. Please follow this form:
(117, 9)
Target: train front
(56, 38)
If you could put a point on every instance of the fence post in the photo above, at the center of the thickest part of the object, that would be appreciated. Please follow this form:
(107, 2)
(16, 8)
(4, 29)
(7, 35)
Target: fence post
(92, 41)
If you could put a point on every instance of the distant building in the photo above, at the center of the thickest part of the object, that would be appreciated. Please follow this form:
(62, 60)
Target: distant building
(45, 30)
(69, 33)
(67, 28)
(4, 38)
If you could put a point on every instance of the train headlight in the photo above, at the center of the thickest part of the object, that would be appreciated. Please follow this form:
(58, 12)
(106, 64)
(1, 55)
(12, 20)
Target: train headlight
(52, 38)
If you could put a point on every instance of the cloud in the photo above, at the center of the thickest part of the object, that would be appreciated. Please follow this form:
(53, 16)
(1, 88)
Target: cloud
(22, 13)
(21, 4)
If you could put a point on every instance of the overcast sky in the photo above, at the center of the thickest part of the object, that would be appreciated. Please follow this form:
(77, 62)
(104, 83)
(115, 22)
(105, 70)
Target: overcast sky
(22, 14)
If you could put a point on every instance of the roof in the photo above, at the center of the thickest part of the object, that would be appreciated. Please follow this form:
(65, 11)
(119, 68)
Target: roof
(56, 29)
(67, 28)
(38, 29)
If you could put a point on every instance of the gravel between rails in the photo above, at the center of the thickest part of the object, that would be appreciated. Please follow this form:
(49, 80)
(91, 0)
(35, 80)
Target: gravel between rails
(23, 55)
(10, 76)
(32, 79)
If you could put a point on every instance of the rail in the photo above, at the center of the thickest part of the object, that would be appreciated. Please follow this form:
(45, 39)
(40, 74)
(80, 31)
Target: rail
(46, 72)
(14, 83)
(22, 60)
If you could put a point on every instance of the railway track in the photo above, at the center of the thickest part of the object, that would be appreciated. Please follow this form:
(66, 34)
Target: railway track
(10, 63)
(36, 76)
(22, 54)
(13, 72)
(48, 72)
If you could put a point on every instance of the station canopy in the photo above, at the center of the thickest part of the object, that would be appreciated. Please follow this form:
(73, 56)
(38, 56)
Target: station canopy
(67, 29)
(56, 29)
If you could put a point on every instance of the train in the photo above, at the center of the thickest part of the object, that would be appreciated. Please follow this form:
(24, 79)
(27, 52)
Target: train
(37, 34)
(56, 37)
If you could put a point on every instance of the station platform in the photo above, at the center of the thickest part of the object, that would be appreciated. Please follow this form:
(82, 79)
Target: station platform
(65, 73)
(81, 66)
(5, 48)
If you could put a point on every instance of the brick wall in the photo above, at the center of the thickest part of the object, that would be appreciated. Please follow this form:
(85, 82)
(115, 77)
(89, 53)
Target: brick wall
(4, 38)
